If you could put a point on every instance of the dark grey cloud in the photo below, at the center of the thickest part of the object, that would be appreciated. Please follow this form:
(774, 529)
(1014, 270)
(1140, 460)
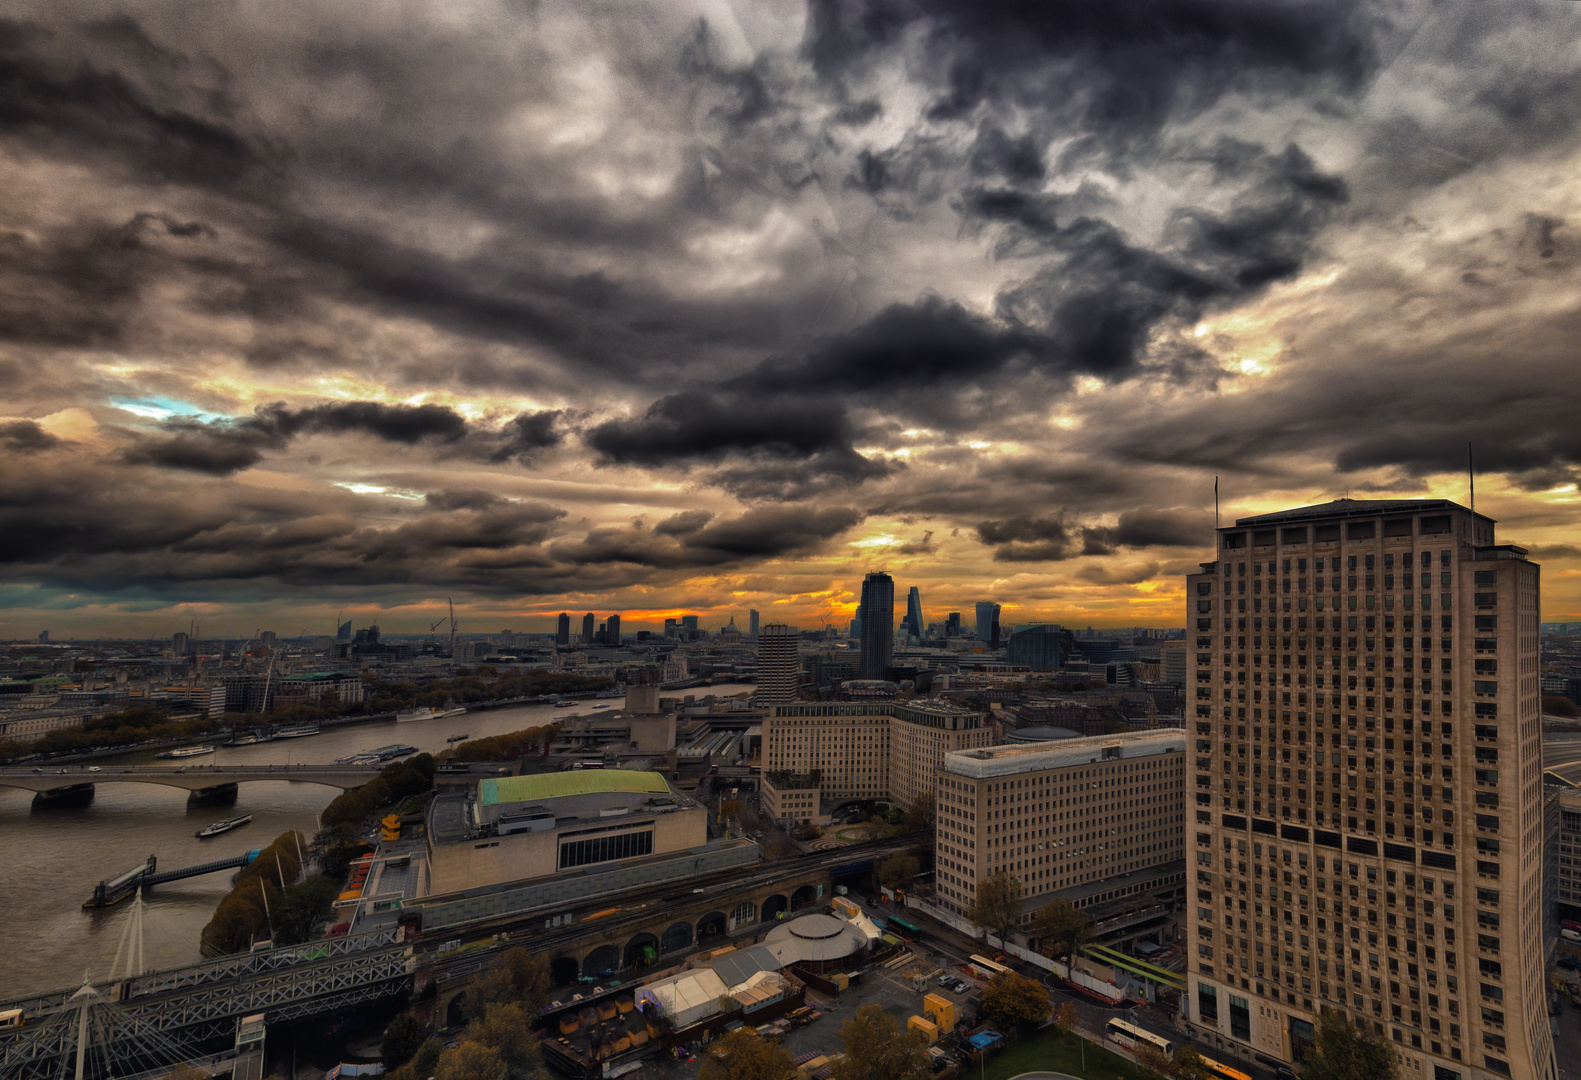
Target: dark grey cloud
(1053, 538)
(25, 436)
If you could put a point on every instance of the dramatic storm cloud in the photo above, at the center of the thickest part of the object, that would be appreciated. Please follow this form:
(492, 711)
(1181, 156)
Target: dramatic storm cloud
(657, 307)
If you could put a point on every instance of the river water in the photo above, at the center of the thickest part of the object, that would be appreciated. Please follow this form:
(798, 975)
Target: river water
(50, 860)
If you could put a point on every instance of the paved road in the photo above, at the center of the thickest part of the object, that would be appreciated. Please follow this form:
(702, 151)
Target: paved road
(1562, 755)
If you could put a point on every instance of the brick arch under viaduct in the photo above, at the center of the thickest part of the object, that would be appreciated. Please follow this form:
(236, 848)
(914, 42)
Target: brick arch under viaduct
(715, 918)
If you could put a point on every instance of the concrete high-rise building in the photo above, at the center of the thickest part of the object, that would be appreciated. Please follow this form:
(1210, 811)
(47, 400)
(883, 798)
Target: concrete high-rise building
(180, 643)
(689, 622)
(778, 664)
(1172, 661)
(1366, 813)
(752, 622)
(612, 633)
(267, 639)
(670, 627)
(589, 628)
(915, 627)
(343, 631)
(878, 624)
(952, 625)
(1061, 816)
(562, 629)
(987, 615)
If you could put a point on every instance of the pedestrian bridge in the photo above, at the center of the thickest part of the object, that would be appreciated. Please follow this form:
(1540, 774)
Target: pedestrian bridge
(188, 777)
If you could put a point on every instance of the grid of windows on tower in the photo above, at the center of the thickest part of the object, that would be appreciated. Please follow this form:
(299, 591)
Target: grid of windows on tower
(1348, 841)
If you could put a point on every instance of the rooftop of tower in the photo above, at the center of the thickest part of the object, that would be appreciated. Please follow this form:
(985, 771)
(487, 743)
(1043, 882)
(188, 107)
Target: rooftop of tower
(1344, 508)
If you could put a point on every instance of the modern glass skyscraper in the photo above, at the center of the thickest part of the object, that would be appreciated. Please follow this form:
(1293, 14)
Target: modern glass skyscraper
(752, 622)
(987, 614)
(1366, 795)
(915, 627)
(589, 623)
(562, 629)
(878, 624)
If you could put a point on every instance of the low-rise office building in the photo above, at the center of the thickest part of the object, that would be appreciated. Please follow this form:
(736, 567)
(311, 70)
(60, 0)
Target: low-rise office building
(516, 828)
(1058, 815)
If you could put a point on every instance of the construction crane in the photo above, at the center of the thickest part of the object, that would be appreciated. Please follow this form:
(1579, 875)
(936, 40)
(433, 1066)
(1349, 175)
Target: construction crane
(433, 628)
(452, 604)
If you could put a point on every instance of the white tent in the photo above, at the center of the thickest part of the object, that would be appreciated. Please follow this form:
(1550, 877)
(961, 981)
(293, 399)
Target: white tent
(686, 998)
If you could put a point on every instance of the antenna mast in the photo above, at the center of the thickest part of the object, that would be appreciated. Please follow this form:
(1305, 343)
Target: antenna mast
(1471, 475)
(1215, 502)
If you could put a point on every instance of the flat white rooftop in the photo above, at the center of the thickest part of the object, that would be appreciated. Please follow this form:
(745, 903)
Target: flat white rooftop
(991, 761)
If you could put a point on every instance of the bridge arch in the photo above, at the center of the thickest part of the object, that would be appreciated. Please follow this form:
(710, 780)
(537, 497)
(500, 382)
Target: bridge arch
(604, 960)
(641, 950)
(563, 970)
(676, 937)
(774, 906)
(711, 925)
(743, 914)
(804, 896)
(455, 1014)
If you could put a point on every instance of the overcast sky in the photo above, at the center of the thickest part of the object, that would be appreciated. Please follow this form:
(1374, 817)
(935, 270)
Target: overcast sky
(704, 305)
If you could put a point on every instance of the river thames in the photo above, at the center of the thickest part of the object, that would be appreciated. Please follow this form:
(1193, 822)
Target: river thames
(50, 860)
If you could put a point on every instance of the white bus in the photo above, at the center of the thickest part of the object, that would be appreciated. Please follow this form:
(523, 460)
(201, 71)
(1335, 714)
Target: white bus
(1134, 1038)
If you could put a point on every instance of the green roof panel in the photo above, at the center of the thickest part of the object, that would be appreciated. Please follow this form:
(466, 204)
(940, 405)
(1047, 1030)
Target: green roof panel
(559, 785)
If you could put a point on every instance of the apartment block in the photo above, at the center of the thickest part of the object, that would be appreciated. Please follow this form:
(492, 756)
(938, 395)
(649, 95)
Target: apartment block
(862, 750)
(1059, 815)
(1366, 788)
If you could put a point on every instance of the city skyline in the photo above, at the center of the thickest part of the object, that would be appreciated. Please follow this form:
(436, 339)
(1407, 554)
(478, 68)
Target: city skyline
(653, 310)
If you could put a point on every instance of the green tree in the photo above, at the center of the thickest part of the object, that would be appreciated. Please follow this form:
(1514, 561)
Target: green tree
(1060, 928)
(1190, 1066)
(920, 815)
(1559, 705)
(1016, 1001)
(1343, 1051)
(742, 1055)
(517, 977)
(997, 906)
(505, 1029)
(898, 871)
(878, 1048)
(303, 906)
(468, 1060)
(1151, 1060)
(403, 1037)
(1065, 1018)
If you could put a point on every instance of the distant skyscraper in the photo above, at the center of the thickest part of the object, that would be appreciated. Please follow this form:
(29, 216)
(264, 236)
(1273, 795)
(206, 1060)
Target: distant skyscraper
(562, 629)
(689, 622)
(778, 664)
(1036, 647)
(180, 643)
(589, 627)
(993, 630)
(267, 638)
(670, 627)
(343, 631)
(752, 622)
(952, 625)
(987, 612)
(878, 625)
(612, 635)
(43, 637)
(916, 626)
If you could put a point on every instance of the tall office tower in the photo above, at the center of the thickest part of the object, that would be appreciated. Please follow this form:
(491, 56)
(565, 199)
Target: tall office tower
(588, 623)
(752, 622)
(180, 643)
(916, 626)
(612, 634)
(689, 622)
(952, 625)
(878, 624)
(1365, 803)
(343, 631)
(987, 612)
(778, 664)
(670, 627)
(268, 639)
(993, 630)
(562, 629)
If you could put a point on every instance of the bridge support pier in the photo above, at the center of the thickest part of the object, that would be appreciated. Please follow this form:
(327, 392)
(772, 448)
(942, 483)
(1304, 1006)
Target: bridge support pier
(219, 793)
(70, 795)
